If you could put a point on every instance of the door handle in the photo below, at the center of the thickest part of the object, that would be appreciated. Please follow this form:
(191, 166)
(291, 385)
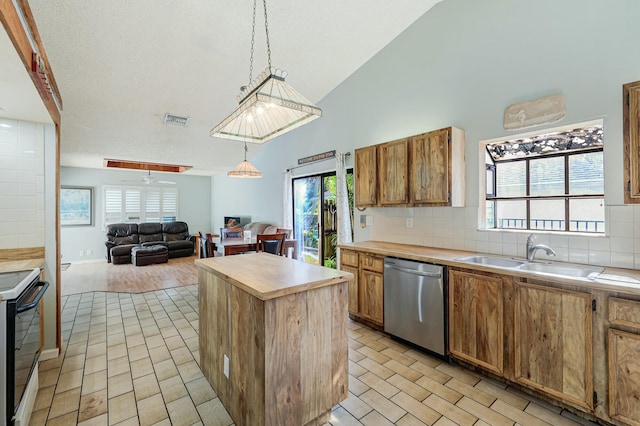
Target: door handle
(36, 299)
(413, 271)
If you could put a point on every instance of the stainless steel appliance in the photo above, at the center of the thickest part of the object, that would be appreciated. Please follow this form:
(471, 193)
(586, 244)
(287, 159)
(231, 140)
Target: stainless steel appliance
(414, 303)
(20, 292)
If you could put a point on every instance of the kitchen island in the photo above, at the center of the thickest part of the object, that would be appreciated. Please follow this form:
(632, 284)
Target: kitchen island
(273, 338)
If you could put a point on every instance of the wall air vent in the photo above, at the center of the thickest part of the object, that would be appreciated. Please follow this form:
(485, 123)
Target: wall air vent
(175, 120)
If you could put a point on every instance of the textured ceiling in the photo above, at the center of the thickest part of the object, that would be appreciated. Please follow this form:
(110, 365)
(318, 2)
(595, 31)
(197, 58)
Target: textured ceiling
(121, 65)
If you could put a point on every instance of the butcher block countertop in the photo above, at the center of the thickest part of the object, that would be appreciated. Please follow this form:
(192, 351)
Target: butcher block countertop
(13, 265)
(611, 279)
(271, 276)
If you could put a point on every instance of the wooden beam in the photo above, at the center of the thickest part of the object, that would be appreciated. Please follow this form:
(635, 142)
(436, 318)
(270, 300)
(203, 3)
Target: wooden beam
(139, 165)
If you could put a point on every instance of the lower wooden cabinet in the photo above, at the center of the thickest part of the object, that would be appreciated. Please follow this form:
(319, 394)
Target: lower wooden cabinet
(624, 376)
(476, 319)
(553, 342)
(366, 290)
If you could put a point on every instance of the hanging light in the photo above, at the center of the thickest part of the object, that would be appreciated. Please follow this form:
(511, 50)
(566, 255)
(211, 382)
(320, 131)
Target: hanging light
(245, 169)
(268, 107)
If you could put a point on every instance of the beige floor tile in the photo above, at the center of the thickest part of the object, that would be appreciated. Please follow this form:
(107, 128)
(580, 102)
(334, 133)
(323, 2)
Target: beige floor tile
(439, 389)
(416, 408)
(459, 373)
(102, 420)
(70, 380)
(116, 366)
(92, 405)
(65, 420)
(94, 382)
(376, 368)
(356, 406)
(159, 354)
(138, 352)
(73, 350)
(135, 339)
(396, 355)
(174, 342)
(356, 386)
(165, 369)
(548, 416)
(356, 370)
(423, 358)
(44, 398)
(503, 394)
(145, 386)
(387, 408)
(373, 354)
(516, 415)
(116, 351)
(410, 420)
(115, 337)
(472, 392)
(95, 364)
(182, 412)
(152, 410)
(189, 371)
(173, 388)
(120, 384)
(341, 417)
(443, 421)
(96, 349)
(213, 413)
(51, 363)
(39, 417)
(48, 377)
(200, 391)
(65, 402)
(141, 367)
(181, 355)
(121, 408)
(449, 410)
(483, 413)
(375, 419)
(375, 382)
(430, 372)
(401, 369)
(414, 390)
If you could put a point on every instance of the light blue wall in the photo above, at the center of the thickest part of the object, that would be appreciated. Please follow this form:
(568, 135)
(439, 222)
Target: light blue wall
(462, 64)
(194, 194)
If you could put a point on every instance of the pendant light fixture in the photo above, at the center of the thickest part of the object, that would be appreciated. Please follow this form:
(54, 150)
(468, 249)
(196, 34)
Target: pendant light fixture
(268, 107)
(245, 169)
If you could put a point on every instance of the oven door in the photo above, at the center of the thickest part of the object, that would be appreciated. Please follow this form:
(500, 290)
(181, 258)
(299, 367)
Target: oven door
(23, 339)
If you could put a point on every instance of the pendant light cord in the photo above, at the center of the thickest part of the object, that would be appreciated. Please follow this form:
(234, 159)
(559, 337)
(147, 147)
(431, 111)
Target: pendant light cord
(245, 151)
(253, 36)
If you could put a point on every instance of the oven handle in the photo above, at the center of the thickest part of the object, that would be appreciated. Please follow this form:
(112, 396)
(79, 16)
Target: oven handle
(44, 285)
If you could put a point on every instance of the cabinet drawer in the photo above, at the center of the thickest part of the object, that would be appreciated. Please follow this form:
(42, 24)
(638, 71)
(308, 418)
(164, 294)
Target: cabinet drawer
(624, 312)
(349, 257)
(372, 262)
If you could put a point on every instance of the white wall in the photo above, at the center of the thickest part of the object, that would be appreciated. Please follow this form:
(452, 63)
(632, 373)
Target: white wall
(194, 206)
(21, 184)
(462, 64)
(51, 260)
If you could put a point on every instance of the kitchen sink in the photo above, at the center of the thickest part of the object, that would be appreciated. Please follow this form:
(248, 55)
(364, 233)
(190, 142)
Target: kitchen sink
(568, 270)
(500, 262)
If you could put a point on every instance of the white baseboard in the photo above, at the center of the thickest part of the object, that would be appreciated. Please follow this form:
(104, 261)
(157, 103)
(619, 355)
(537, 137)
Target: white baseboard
(49, 354)
(73, 262)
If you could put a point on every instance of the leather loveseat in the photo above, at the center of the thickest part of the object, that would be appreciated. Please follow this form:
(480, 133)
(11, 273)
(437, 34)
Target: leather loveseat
(122, 237)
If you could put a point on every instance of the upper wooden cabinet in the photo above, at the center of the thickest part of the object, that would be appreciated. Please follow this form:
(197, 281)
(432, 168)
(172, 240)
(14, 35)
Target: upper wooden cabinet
(366, 185)
(631, 133)
(393, 168)
(421, 170)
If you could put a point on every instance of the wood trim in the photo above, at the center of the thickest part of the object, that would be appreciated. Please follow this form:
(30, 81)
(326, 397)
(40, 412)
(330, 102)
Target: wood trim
(18, 35)
(22, 253)
(631, 141)
(623, 312)
(138, 165)
(57, 248)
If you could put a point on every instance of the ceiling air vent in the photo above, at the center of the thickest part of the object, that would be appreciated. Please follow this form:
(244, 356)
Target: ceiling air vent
(175, 120)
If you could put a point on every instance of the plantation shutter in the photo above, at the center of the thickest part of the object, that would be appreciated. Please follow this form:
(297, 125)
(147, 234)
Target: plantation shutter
(169, 205)
(112, 205)
(152, 205)
(132, 202)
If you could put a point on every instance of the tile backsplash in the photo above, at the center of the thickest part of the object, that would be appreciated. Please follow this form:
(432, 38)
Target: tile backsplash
(457, 228)
(21, 184)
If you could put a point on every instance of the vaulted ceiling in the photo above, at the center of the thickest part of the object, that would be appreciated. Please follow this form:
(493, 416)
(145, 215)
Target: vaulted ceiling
(121, 65)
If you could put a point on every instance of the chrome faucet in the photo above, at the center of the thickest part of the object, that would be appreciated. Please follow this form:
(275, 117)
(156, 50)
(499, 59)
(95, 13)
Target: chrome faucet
(532, 249)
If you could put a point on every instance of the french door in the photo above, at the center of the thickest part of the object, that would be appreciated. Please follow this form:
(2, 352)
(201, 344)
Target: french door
(315, 216)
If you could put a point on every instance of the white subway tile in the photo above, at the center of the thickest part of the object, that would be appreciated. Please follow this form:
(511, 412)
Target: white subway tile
(495, 248)
(495, 237)
(579, 256)
(9, 241)
(509, 249)
(27, 177)
(599, 244)
(8, 202)
(13, 125)
(28, 215)
(482, 246)
(621, 244)
(8, 149)
(8, 163)
(621, 213)
(602, 258)
(27, 202)
(27, 189)
(622, 260)
(620, 229)
(579, 242)
(8, 189)
(470, 245)
(27, 164)
(29, 240)
(9, 228)
(558, 241)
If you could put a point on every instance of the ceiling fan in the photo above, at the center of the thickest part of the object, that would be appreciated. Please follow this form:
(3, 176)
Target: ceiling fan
(149, 179)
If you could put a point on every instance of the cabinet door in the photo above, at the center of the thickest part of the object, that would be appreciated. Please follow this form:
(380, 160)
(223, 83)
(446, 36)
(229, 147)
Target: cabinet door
(352, 288)
(624, 376)
(631, 134)
(430, 168)
(553, 342)
(371, 297)
(393, 179)
(476, 329)
(366, 174)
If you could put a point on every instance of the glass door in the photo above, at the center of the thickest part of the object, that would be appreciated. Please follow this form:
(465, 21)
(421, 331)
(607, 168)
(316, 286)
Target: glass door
(315, 216)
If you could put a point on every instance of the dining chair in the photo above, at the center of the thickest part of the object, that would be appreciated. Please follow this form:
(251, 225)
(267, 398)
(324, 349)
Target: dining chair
(207, 248)
(270, 243)
(287, 232)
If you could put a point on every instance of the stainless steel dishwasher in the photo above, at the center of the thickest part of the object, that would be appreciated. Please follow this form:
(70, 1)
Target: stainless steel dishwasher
(414, 303)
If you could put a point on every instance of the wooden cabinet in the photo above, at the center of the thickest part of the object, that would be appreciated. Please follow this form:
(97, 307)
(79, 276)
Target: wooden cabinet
(553, 342)
(438, 168)
(623, 361)
(421, 170)
(631, 136)
(476, 319)
(366, 290)
(393, 176)
(366, 176)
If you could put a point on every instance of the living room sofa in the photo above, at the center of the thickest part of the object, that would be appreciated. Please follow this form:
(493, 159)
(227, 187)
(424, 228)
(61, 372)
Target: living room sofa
(122, 237)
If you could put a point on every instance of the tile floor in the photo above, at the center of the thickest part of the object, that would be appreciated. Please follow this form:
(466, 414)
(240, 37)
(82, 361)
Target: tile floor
(132, 359)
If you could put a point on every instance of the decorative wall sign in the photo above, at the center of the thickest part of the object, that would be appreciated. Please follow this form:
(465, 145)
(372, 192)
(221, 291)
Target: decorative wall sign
(317, 157)
(523, 115)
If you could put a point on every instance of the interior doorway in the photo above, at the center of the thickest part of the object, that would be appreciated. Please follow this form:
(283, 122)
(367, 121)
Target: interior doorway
(315, 216)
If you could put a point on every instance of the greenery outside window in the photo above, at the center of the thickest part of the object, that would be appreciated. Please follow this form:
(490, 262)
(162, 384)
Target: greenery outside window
(551, 182)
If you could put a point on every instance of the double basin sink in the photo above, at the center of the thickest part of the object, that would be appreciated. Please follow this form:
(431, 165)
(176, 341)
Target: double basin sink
(535, 266)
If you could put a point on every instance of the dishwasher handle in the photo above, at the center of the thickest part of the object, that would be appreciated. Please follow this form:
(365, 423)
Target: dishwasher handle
(414, 271)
